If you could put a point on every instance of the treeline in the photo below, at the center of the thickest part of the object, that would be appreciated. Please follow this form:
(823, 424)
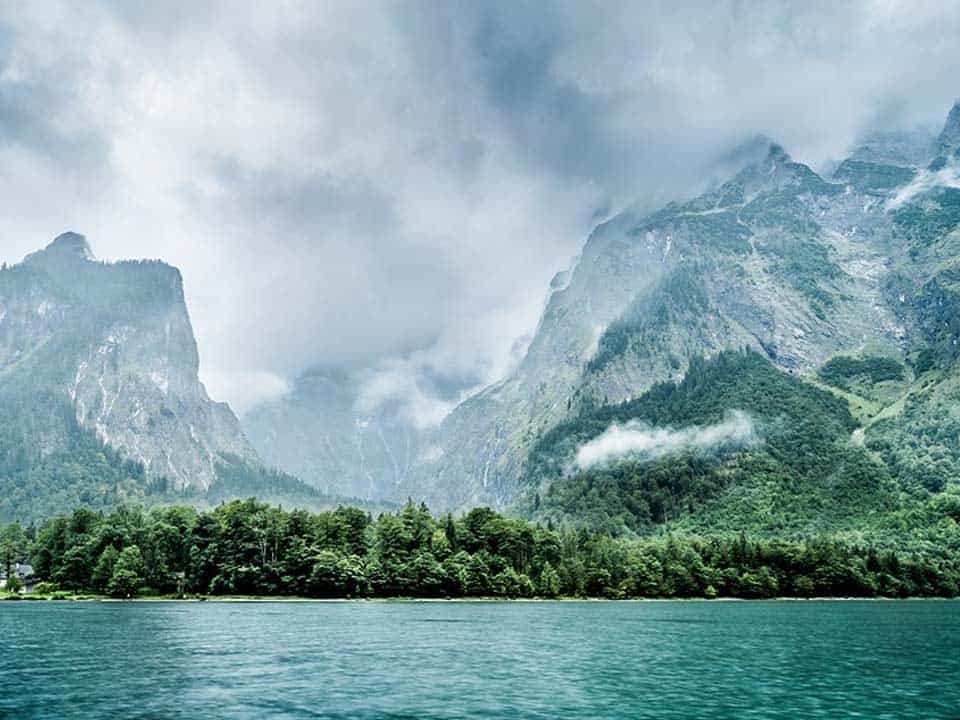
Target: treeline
(249, 548)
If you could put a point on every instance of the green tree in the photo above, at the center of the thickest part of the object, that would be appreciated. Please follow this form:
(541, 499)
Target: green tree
(477, 575)
(73, 571)
(455, 574)
(127, 573)
(103, 570)
(549, 585)
(13, 546)
(326, 579)
(424, 576)
(13, 585)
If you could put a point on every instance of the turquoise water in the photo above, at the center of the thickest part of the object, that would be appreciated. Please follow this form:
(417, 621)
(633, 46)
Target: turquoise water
(481, 660)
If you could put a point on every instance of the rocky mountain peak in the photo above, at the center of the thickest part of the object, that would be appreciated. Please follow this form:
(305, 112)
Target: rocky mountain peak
(761, 154)
(765, 167)
(776, 154)
(63, 255)
(949, 139)
(68, 245)
(112, 346)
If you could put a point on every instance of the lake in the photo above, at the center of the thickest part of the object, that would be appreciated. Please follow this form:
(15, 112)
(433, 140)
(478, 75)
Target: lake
(665, 660)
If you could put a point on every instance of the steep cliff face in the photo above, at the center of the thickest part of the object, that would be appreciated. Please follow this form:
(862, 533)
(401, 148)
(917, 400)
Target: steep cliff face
(477, 454)
(949, 140)
(112, 343)
(780, 260)
(777, 259)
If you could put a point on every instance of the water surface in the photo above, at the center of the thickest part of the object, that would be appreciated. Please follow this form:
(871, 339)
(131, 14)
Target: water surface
(666, 660)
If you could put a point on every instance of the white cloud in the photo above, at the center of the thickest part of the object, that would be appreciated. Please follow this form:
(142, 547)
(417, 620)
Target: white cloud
(947, 176)
(640, 440)
(249, 388)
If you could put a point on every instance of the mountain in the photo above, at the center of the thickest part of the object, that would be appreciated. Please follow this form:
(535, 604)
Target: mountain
(100, 390)
(842, 291)
(831, 280)
(318, 433)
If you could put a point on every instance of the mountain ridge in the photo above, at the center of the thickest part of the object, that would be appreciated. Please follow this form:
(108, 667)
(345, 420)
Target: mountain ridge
(99, 379)
(798, 267)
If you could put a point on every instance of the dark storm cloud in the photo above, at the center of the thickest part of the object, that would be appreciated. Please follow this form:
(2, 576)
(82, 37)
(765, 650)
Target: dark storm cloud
(391, 185)
(501, 57)
(292, 202)
(28, 111)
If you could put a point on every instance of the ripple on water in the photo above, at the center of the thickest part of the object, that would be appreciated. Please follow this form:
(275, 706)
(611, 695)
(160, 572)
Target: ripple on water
(669, 661)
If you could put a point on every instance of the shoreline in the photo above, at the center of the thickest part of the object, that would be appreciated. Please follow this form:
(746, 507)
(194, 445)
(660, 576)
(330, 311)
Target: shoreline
(240, 599)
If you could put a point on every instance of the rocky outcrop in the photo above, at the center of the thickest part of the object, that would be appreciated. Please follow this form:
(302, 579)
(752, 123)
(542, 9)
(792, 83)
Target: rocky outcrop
(949, 140)
(114, 343)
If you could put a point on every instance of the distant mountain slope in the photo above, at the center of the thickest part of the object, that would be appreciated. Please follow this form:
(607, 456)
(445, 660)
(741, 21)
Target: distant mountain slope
(317, 433)
(797, 267)
(99, 387)
(848, 281)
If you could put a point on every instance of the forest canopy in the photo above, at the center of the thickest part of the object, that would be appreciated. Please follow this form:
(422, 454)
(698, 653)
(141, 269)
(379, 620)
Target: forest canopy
(245, 547)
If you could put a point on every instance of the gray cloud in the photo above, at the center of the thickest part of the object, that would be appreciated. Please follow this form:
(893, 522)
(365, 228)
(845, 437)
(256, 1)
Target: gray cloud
(391, 185)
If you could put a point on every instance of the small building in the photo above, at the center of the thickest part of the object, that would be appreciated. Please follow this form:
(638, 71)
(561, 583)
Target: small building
(28, 578)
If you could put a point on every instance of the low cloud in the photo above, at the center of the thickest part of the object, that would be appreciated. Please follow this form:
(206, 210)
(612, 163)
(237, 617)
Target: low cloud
(247, 389)
(947, 176)
(643, 441)
(405, 387)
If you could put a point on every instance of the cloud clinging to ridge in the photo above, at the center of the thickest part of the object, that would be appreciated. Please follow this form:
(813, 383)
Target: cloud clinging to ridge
(392, 184)
(636, 439)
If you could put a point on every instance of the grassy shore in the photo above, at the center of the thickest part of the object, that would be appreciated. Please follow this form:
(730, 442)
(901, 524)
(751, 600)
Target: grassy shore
(86, 597)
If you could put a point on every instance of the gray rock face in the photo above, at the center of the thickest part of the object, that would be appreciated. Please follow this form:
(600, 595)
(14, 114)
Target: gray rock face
(900, 149)
(949, 139)
(317, 433)
(114, 341)
(477, 454)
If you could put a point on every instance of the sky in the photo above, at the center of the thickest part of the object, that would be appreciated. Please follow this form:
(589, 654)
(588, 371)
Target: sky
(390, 186)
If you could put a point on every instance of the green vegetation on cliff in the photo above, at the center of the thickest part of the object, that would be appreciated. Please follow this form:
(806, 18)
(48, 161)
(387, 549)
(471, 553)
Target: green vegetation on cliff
(859, 374)
(873, 177)
(803, 477)
(80, 470)
(927, 222)
(680, 299)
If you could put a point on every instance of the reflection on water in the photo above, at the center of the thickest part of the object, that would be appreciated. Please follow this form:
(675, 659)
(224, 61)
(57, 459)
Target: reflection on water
(666, 660)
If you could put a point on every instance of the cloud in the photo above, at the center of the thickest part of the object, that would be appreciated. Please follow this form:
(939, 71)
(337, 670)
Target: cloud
(393, 184)
(406, 386)
(248, 388)
(639, 440)
(946, 176)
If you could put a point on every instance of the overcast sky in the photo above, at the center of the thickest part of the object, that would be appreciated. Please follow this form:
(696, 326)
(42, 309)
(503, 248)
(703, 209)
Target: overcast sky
(392, 185)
